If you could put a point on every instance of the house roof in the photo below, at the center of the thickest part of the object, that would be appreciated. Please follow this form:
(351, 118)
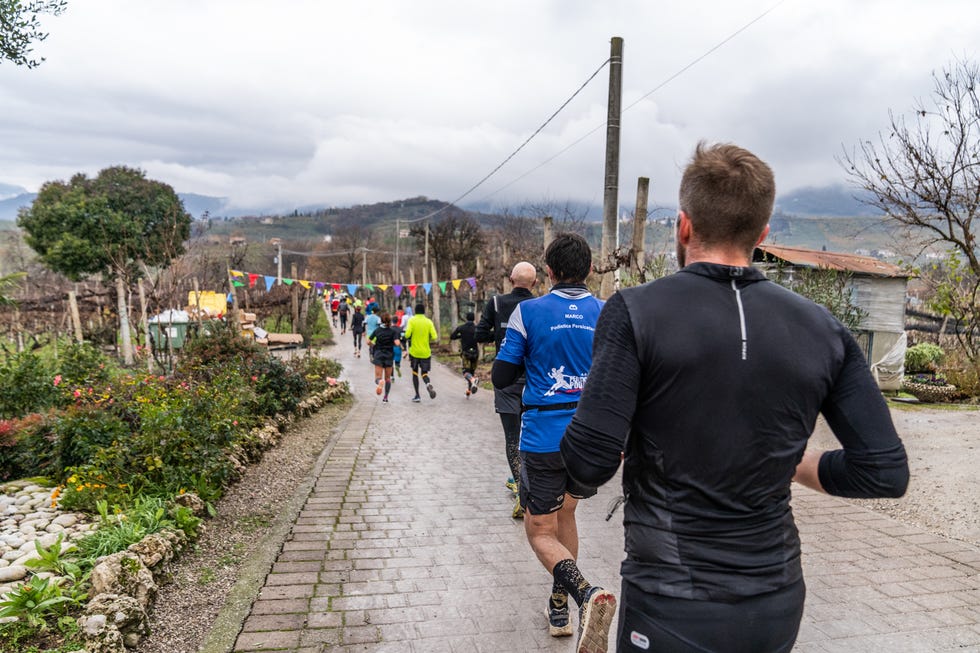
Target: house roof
(828, 260)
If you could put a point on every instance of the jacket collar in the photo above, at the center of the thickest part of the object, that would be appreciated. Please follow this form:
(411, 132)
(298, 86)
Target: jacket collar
(725, 272)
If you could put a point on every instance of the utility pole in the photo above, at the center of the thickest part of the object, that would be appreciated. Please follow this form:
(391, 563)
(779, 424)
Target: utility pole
(278, 245)
(640, 224)
(549, 231)
(610, 202)
(364, 266)
(398, 234)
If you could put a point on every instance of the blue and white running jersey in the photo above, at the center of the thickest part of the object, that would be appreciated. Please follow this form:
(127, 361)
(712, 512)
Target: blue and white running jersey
(552, 337)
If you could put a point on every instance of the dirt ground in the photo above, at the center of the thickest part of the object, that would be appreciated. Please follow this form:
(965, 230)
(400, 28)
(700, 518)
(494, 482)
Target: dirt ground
(943, 446)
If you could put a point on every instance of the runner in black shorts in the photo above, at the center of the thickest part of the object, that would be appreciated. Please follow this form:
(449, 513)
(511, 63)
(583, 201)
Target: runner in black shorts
(544, 483)
(384, 339)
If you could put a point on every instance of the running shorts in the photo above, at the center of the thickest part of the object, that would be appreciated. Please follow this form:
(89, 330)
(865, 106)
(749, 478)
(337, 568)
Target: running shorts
(421, 365)
(768, 622)
(544, 483)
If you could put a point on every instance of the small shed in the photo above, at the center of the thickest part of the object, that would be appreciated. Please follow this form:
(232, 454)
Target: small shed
(879, 290)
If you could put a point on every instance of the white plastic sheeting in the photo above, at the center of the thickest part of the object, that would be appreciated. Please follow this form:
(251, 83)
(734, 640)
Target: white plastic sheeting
(889, 369)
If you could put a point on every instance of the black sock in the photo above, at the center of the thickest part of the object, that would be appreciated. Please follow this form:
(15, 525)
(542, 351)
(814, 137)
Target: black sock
(567, 575)
(559, 597)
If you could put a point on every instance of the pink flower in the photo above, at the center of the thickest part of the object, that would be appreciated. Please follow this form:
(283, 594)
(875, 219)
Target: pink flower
(57, 379)
(255, 378)
(77, 393)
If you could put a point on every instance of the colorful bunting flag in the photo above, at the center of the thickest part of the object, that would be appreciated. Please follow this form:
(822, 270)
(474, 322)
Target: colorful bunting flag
(252, 278)
(237, 273)
(428, 288)
(269, 282)
(288, 282)
(398, 290)
(382, 287)
(335, 286)
(412, 287)
(456, 283)
(442, 287)
(305, 284)
(472, 282)
(351, 288)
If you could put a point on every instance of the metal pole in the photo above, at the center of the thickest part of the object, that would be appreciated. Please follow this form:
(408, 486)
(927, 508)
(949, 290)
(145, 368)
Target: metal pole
(610, 208)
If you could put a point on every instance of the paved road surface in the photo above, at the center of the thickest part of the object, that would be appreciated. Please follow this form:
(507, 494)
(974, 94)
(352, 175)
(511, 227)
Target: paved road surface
(406, 544)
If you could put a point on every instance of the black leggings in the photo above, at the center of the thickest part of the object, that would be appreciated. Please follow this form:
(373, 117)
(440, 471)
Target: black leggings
(512, 442)
(767, 623)
(358, 335)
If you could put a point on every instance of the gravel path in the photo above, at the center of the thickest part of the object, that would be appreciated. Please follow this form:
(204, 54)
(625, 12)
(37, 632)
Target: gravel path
(943, 446)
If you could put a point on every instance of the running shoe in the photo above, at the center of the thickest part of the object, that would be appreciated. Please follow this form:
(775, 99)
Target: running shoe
(594, 619)
(432, 392)
(473, 385)
(467, 393)
(380, 388)
(518, 512)
(416, 399)
(559, 624)
(384, 400)
(398, 371)
(511, 485)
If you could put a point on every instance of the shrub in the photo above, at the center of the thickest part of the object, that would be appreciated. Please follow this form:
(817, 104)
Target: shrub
(83, 365)
(81, 431)
(27, 447)
(923, 357)
(316, 371)
(216, 349)
(278, 388)
(26, 385)
(180, 438)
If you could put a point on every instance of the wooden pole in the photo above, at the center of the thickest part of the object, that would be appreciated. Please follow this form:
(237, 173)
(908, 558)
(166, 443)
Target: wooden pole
(76, 320)
(640, 225)
(294, 298)
(124, 334)
(610, 203)
(145, 324)
(549, 231)
(454, 297)
(436, 317)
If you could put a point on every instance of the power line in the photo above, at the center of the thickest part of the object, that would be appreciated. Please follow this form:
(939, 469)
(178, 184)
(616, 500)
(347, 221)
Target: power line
(520, 147)
(648, 94)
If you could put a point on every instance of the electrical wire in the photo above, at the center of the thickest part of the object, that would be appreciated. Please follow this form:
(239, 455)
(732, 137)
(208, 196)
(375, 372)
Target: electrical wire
(648, 94)
(520, 147)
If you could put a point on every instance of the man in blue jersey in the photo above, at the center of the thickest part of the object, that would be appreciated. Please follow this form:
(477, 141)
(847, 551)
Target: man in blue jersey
(550, 339)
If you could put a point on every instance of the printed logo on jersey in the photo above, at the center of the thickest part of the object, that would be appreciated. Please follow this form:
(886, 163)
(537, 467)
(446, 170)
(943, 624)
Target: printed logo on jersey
(639, 640)
(565, 383)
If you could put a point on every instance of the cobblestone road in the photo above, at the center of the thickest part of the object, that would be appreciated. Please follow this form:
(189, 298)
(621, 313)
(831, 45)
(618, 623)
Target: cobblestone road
(406, 544)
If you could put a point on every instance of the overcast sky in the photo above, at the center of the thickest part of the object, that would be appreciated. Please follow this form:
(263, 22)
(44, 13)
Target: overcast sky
(301, 102)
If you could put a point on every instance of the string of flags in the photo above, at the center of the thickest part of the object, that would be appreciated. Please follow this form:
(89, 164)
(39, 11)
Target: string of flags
(241, 279)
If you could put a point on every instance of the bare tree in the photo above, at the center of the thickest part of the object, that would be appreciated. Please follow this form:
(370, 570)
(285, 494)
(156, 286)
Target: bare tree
(924, 175)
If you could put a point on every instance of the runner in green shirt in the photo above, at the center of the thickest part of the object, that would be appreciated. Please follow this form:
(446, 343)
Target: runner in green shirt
(420, 332)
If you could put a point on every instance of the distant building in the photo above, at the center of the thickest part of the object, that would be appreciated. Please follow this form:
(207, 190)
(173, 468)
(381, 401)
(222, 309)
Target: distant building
(879, 290)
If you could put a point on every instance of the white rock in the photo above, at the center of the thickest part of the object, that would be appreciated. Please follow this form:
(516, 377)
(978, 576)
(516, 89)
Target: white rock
(66, 520)
(10, 556)
(54, 528)
(12, 573)
(33, 555)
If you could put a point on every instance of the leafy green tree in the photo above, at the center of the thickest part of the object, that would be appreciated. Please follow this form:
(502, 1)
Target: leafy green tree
(20, 28)
(115, 224)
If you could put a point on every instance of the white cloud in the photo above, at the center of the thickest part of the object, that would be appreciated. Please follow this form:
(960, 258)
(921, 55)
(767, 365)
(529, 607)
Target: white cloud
(314, 102)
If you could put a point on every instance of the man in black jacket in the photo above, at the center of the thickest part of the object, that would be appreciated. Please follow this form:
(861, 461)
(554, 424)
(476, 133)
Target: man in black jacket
(710, 382)
(469, 351)
(507, 401)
